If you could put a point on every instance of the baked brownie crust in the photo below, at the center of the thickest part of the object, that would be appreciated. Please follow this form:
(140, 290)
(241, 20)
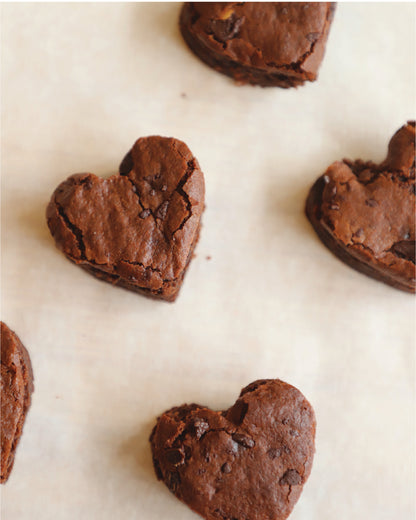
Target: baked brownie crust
(16, 389)
(137, 229)
(365, 212)
(250, 461)
(262, 43)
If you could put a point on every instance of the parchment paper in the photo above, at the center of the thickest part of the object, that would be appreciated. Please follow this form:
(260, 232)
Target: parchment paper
(262, 299)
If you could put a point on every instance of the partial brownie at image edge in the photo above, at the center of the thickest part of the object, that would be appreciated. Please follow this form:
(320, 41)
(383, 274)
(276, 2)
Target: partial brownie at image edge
(250, 461)
(16, 390)
(268, 44)
(365, 212)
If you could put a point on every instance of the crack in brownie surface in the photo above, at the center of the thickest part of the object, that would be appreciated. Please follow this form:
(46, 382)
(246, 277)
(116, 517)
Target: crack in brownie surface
(365, 212)
(137, 229)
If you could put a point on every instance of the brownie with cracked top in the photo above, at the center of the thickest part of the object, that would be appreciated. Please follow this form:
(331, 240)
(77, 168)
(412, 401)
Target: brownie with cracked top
(138, 229)
(16, 390)
(262, 43)
(250, 461)
(365, 212)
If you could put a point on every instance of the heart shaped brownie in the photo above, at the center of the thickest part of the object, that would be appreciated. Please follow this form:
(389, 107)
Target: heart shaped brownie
(365, 212)
(137, 229)
(16, 389)
(248, 462)
(263, 43)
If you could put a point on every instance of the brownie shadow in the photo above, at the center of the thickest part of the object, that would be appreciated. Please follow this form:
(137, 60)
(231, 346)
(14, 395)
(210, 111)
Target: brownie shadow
(134, 453)
(134, 458)
(32, 219)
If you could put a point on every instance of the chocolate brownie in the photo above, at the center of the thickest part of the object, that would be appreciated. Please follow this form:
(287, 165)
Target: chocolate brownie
(16, 389)
(138, 229)
(365, 212)
(277, 44)
(248, 462)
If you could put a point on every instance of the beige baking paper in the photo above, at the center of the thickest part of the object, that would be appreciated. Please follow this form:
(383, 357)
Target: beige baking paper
(262, 299)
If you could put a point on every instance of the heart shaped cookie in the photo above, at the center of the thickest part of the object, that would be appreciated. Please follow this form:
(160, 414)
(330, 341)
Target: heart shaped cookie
(263, 43)
(248, 462)
(137, 229)
(16, 389)
(365, 212)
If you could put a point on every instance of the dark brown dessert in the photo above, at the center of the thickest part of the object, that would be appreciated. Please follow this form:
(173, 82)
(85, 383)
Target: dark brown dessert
(16, 389)
(248, 462)
(365, 212)
(138, 229)
(278, 44)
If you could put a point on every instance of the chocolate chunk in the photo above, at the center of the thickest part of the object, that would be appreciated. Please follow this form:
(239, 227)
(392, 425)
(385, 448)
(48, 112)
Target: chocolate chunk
(273, 453)
(224, 457)
(224, 30)
(16, 391)
(375, 211)
(405, 249)
(175, 457)
(226, 468)
(291, 478)
(262, 43)
(244, 440)
(98, 224)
